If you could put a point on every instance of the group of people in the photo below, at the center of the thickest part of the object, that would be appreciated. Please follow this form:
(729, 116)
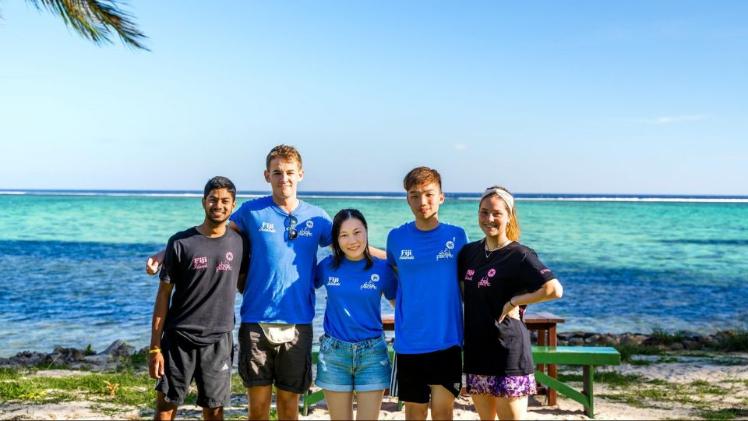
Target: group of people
(267, 251)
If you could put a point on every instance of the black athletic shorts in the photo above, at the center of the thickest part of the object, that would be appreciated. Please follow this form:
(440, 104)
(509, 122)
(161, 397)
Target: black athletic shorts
(416, 372)
(288, 365)
(209, 366)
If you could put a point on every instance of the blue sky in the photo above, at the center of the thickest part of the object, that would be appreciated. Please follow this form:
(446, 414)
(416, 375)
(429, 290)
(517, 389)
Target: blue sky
(544, 96)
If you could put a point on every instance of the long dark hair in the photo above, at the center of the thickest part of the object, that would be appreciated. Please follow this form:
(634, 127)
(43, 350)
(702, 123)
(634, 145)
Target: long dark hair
(337, 252)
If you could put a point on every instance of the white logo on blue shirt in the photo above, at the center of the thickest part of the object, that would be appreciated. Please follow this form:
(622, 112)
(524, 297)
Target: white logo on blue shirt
(406, 255)
(372, 282)
(267, 227)
(333, 281)
(368, 285)
(447, 252)
(307, 230)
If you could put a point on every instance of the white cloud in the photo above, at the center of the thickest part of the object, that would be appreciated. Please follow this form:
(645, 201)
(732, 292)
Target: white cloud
(460, 146)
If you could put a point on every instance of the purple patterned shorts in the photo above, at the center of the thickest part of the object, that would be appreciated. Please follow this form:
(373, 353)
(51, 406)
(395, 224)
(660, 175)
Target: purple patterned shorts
(501, 386)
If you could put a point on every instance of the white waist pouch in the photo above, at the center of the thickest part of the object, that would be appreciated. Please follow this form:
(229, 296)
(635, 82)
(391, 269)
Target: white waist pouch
(279, 333)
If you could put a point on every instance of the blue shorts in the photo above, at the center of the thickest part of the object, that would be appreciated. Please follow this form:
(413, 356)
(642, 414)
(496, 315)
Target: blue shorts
(353, 366)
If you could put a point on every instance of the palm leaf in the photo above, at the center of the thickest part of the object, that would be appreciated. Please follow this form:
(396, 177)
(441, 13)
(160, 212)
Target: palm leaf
(96, 20)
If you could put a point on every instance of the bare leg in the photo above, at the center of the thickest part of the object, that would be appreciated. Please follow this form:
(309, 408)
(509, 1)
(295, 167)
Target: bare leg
(288, 405)
(442, 403)
(211, 414)
(416, 411)
(486, 406)
(368, 405)
(165, 411)
(340, 405)
(259, 402)
(512, 408)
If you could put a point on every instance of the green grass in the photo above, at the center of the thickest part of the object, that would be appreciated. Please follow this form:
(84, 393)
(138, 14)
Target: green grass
(662, 337)
(723, 414)
(237, 386)
(611, 378)
(735, 341)
(704, 387)
(122, 388)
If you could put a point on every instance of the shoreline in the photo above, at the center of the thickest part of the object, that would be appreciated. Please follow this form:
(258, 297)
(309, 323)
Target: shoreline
(676, 384)
(626, 343)
(663, 375)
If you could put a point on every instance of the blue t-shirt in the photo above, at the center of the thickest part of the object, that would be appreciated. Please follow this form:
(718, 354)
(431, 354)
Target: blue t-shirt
(354, 296)
(428, 308)
(280, 282)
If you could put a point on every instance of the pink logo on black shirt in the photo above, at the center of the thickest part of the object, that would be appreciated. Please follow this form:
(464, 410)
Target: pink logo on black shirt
(469, 274)
(229, 256)
(491, 272)
(200, 263)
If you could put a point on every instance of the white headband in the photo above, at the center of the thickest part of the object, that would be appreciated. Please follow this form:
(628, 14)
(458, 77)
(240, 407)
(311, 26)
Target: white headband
(503, 194)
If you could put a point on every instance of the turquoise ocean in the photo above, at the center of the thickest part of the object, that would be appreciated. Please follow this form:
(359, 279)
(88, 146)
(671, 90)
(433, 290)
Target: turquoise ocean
(72, 262)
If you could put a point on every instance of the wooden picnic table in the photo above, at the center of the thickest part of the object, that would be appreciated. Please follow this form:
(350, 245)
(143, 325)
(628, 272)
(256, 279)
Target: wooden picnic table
(543, 323)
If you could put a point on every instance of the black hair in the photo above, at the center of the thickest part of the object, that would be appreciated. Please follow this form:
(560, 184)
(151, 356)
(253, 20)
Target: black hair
(219, 182)
(337, 222)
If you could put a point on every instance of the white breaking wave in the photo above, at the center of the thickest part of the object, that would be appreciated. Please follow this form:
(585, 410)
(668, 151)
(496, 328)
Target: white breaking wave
(364, 196)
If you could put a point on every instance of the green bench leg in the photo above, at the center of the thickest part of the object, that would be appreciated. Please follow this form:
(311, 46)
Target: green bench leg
(584, 397)
(588, 372)
(310, 398)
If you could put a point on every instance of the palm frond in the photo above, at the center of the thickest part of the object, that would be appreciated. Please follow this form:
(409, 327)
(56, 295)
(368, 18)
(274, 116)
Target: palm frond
(96, 20)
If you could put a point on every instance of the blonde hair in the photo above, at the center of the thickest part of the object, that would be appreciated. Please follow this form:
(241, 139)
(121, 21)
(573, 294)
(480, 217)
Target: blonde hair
(512, 227)
(284, 152)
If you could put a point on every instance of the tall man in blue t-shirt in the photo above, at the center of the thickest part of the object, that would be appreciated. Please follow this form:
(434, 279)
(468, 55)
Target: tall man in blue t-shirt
(275, 337)
(428, 307)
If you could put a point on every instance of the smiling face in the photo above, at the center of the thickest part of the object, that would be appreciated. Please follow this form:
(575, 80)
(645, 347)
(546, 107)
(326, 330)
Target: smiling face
(493, 216)
(218, 205)
(352, 239)
(284, 176)
(424, 201)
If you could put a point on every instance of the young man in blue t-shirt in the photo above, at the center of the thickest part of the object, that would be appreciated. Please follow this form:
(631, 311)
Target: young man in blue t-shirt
(428, 307)
(275, 337)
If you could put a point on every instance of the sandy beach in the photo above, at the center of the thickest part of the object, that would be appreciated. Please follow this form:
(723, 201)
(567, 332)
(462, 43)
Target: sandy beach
(680, 385)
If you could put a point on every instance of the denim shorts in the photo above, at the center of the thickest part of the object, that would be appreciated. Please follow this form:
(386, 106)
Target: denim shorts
(353, 366)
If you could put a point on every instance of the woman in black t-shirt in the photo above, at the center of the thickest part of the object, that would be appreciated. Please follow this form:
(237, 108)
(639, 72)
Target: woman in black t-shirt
(499, 278)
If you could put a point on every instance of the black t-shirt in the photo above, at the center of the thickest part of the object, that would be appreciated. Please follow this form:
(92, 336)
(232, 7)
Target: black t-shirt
(489, 282)
(204, 272)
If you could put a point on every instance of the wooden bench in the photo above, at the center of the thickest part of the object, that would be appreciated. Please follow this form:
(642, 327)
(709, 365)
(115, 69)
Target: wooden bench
(586, 356)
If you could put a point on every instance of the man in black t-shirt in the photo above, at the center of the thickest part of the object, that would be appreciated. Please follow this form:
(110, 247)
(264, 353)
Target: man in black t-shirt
(191, 334)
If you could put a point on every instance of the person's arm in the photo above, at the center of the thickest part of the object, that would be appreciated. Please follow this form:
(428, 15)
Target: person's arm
(241, 283)
(378, 253)
(551, 290)
(160, 308)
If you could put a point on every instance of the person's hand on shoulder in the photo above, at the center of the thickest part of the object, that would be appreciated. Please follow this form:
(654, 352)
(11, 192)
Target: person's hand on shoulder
(154, 263)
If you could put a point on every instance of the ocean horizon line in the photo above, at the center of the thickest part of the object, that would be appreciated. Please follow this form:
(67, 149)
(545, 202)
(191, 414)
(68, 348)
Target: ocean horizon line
(373, 195)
